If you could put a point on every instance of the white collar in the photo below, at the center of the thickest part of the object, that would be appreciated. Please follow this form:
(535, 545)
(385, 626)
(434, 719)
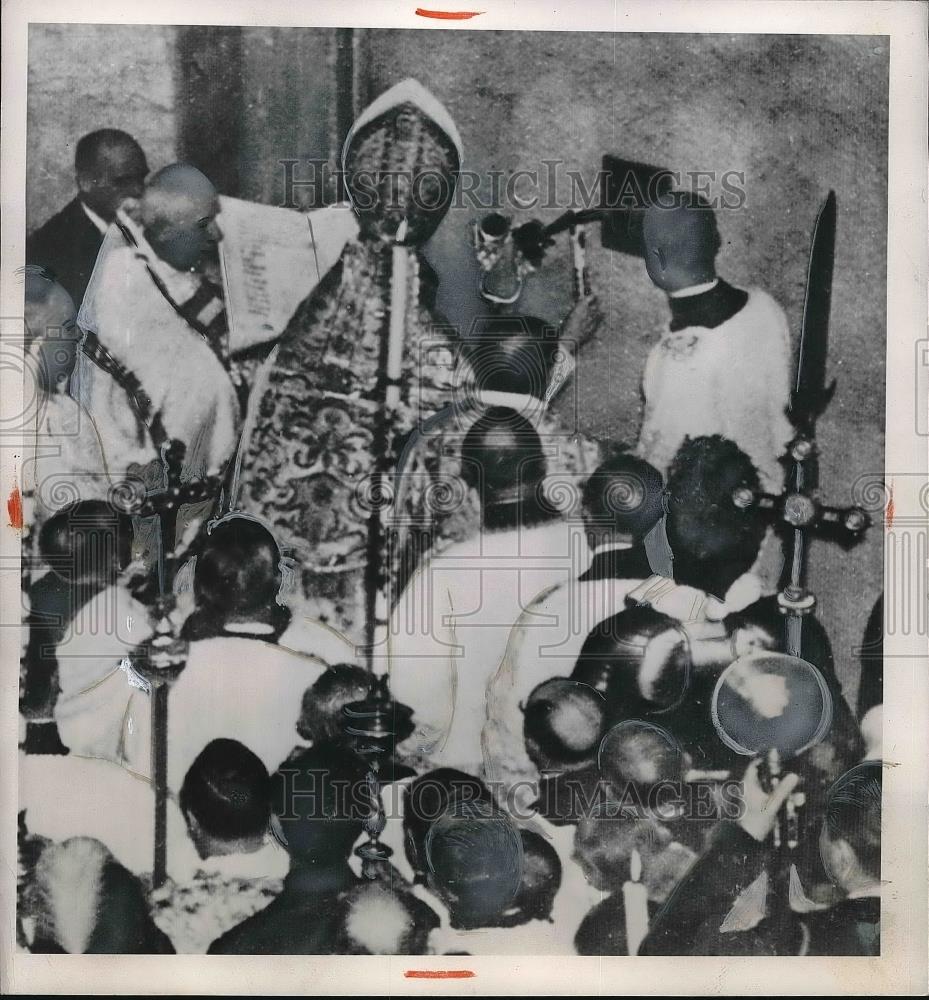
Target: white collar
(864, 892)
(249, 628)
(686, 293)
(521, 402)
(94, 218)
(612, 547)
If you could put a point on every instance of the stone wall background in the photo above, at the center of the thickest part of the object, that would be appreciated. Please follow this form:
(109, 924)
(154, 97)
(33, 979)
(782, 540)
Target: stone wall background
(797, 115)
(87, 76)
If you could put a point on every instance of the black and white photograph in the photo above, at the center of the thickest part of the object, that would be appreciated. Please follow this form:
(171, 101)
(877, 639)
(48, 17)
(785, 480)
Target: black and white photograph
(454, 510)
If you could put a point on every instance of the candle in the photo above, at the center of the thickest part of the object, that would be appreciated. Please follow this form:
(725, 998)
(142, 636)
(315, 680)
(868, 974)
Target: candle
(398, 291)
(635, 905)
(399, 288)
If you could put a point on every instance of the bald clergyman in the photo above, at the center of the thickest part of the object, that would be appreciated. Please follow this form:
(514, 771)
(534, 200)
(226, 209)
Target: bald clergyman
(723, 365)
(154, 362)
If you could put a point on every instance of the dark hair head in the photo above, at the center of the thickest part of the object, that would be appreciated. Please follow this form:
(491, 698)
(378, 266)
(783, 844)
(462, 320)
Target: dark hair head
(227, 790)
(708, 533)
(636, 756)
(603, 929)
(381, 918)
(91, 145)
(640, 660)
(427, 797)
(239, 568)
(540, 882)
(320, 798)
(502, 458)
(604, 842)
(501, 455)
(853, 814)
(88, 541)
(562, 724)
(514, 354)
(321, 716)
(475, 862)
(624, 496)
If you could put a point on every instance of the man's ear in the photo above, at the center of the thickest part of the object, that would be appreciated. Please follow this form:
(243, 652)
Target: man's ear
(277, 831)
(85, 183)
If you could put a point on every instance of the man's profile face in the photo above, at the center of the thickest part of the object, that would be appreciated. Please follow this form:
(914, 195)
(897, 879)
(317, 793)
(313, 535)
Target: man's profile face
(119, 173)
(196, 233)
(189, 237)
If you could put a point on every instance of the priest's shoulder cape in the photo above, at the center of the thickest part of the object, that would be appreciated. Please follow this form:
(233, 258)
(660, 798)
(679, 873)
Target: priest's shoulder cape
(730, 378)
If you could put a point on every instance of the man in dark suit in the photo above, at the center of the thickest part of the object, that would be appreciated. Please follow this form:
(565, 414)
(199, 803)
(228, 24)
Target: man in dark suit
(693, 920)
(110, 167)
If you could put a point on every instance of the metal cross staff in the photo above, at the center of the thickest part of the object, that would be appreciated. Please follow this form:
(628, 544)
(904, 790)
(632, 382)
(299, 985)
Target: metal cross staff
(799, 507)
(166, 650)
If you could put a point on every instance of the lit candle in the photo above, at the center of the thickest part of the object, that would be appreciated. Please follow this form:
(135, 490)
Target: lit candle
(635, 905)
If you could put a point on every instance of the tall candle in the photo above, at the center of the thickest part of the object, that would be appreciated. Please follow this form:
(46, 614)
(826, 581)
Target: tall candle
(635, 905)
(399, 285)
(399, 275)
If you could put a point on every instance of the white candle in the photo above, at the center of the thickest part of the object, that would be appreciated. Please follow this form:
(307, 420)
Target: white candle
(635, 905)
(399, 283)
(398, 290)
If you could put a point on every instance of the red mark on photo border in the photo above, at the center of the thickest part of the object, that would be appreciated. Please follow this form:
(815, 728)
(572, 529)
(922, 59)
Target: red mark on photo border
(449, 15)
(438, 974)
(14, 507)
(889, 513)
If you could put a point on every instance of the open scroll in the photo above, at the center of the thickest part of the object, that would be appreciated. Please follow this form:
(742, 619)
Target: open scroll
(272, 258)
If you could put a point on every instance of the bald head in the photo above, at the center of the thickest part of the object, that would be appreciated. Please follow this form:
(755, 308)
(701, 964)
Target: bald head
(178, 210)
(110, 167)
(50, 325)
(384, 918)
(680, 241)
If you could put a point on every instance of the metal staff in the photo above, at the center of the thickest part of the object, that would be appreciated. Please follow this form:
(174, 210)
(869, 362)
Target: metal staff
(809, 399)
(579, 259)
(375, 724)
(377, 573)
(166, 650)
(797, 507)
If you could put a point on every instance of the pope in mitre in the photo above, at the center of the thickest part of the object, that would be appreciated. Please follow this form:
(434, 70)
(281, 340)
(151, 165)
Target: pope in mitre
(317, 428)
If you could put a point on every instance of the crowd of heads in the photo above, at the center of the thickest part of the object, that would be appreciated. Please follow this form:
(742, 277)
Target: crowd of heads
(628, 722)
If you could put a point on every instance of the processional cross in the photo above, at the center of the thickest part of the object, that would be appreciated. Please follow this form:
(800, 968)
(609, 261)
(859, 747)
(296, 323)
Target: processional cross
(164, 655)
